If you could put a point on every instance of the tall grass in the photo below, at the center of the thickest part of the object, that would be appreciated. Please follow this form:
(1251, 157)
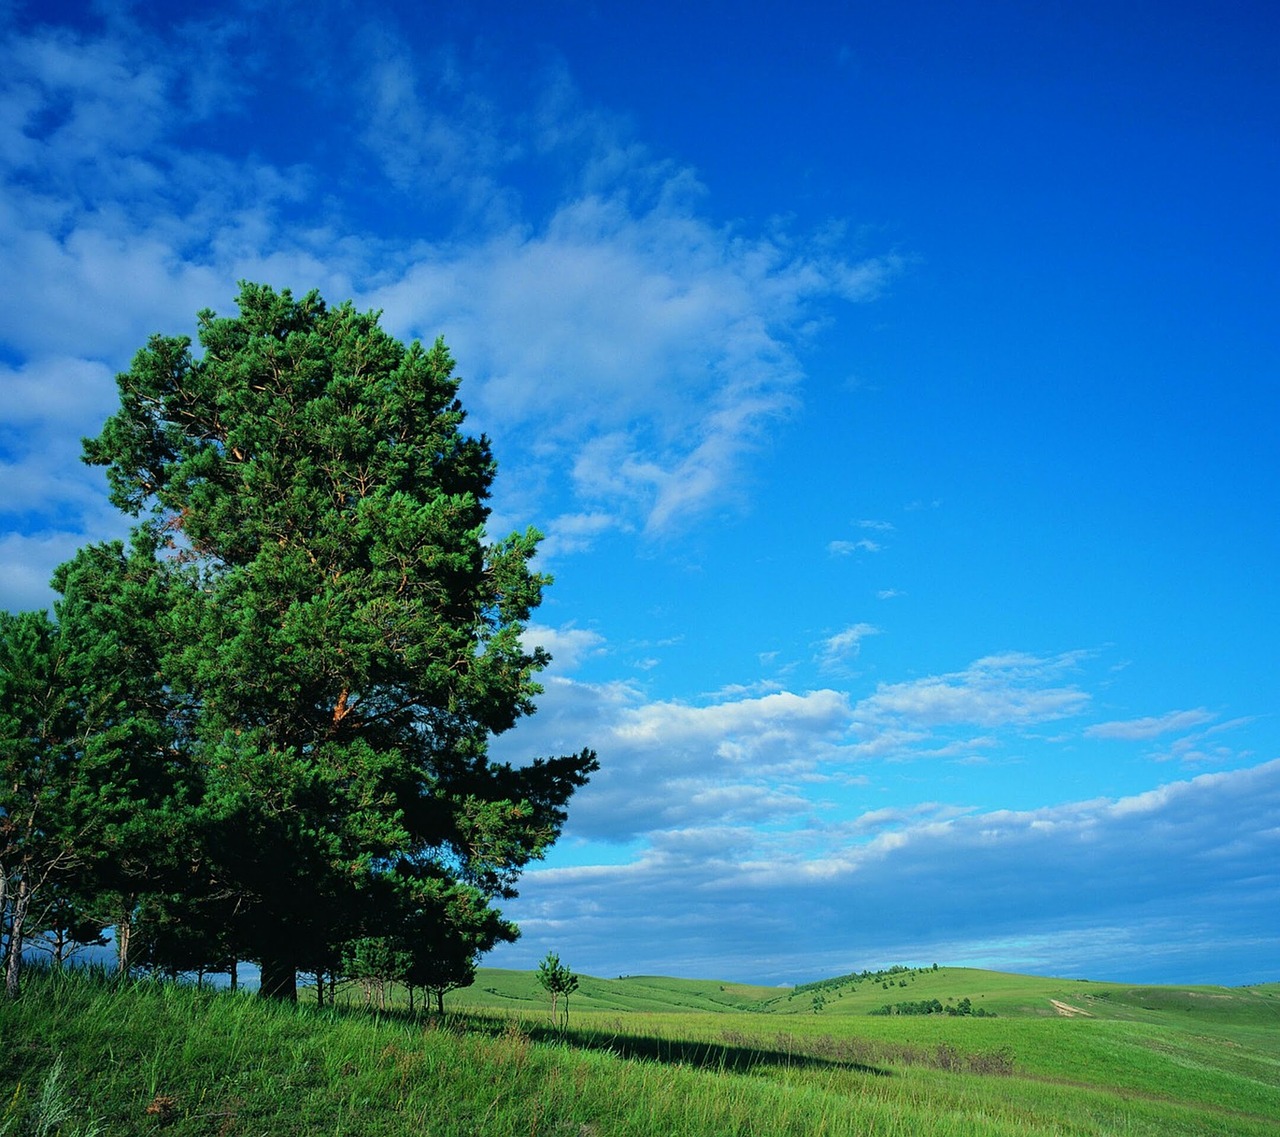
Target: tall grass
(151, 1057)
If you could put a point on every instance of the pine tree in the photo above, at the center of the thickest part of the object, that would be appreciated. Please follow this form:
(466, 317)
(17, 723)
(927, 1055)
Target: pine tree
(341, 637)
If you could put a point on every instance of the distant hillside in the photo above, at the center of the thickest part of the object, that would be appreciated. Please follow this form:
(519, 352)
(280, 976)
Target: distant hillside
(514, 990)
(899, 989)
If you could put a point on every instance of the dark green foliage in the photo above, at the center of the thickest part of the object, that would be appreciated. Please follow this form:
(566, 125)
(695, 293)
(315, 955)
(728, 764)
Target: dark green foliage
(883, 977)
(87, 803)
(935, 1007)
(43, 812)
(280, 695)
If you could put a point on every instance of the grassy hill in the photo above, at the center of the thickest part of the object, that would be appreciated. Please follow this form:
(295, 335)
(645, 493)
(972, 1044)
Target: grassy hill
(519, 991)
(1002, 994)
(647, 1055)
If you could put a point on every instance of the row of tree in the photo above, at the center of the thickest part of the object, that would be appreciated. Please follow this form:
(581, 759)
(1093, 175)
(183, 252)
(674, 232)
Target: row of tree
(259, 729)
(935, 1007)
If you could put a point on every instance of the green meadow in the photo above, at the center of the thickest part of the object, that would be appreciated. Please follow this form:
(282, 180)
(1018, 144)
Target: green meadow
(81, 1054)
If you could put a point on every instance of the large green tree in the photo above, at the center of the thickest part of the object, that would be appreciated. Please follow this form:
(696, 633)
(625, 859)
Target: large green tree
(341, 636)
(88, 771)
(133, 758)
(41, 802)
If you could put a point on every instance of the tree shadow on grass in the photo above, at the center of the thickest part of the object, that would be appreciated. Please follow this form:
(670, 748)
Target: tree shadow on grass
(735, 1053)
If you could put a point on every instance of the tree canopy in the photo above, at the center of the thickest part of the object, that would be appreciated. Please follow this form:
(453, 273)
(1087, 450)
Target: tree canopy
(320, 639)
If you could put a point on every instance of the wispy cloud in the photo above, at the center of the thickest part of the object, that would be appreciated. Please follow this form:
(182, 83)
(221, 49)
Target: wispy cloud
(1202, 747)
(845, 645)
(647, 349)
(848, 548)
(1142, 729)
(844, 547)
(1005, 690)
(575, 533)
(1198, 742)
(626, 351)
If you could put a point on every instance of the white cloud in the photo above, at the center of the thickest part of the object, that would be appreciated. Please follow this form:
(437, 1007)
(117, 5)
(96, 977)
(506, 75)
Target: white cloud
(76, 395)
(1141, 729)
(995, 691)
(661, 758)
(648, 350)
(575, 533)
(892, 818)
(767, 716)
(1194, 747)
(626, 351)
(848, 548)
(26, 564)
(1198, 748)
(1089, 888)
(669, 765)
(569, 646)
(845, 645)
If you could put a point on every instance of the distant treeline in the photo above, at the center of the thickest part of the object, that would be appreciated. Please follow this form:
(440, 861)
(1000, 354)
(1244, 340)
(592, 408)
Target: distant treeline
(885, 975)
(934, 1007)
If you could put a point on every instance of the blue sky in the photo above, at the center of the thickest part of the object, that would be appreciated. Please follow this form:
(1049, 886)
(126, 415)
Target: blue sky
(897, 387)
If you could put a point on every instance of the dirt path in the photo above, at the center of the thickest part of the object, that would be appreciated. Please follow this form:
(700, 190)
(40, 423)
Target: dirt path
(1068, 1011)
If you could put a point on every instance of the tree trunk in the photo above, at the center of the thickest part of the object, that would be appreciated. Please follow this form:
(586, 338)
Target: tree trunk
(4, 909)
(279, 980)
(13, 965)
(124, 933)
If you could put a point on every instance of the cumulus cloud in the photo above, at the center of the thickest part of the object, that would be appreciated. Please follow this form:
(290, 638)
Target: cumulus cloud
(670, 765)
(846, 548)
(794, 751)
(750, 819)
(568, 646)
(754, 719)
(1093, 886)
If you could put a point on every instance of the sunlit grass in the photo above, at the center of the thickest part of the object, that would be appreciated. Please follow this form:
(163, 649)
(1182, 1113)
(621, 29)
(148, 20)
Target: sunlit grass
(147, 1057)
